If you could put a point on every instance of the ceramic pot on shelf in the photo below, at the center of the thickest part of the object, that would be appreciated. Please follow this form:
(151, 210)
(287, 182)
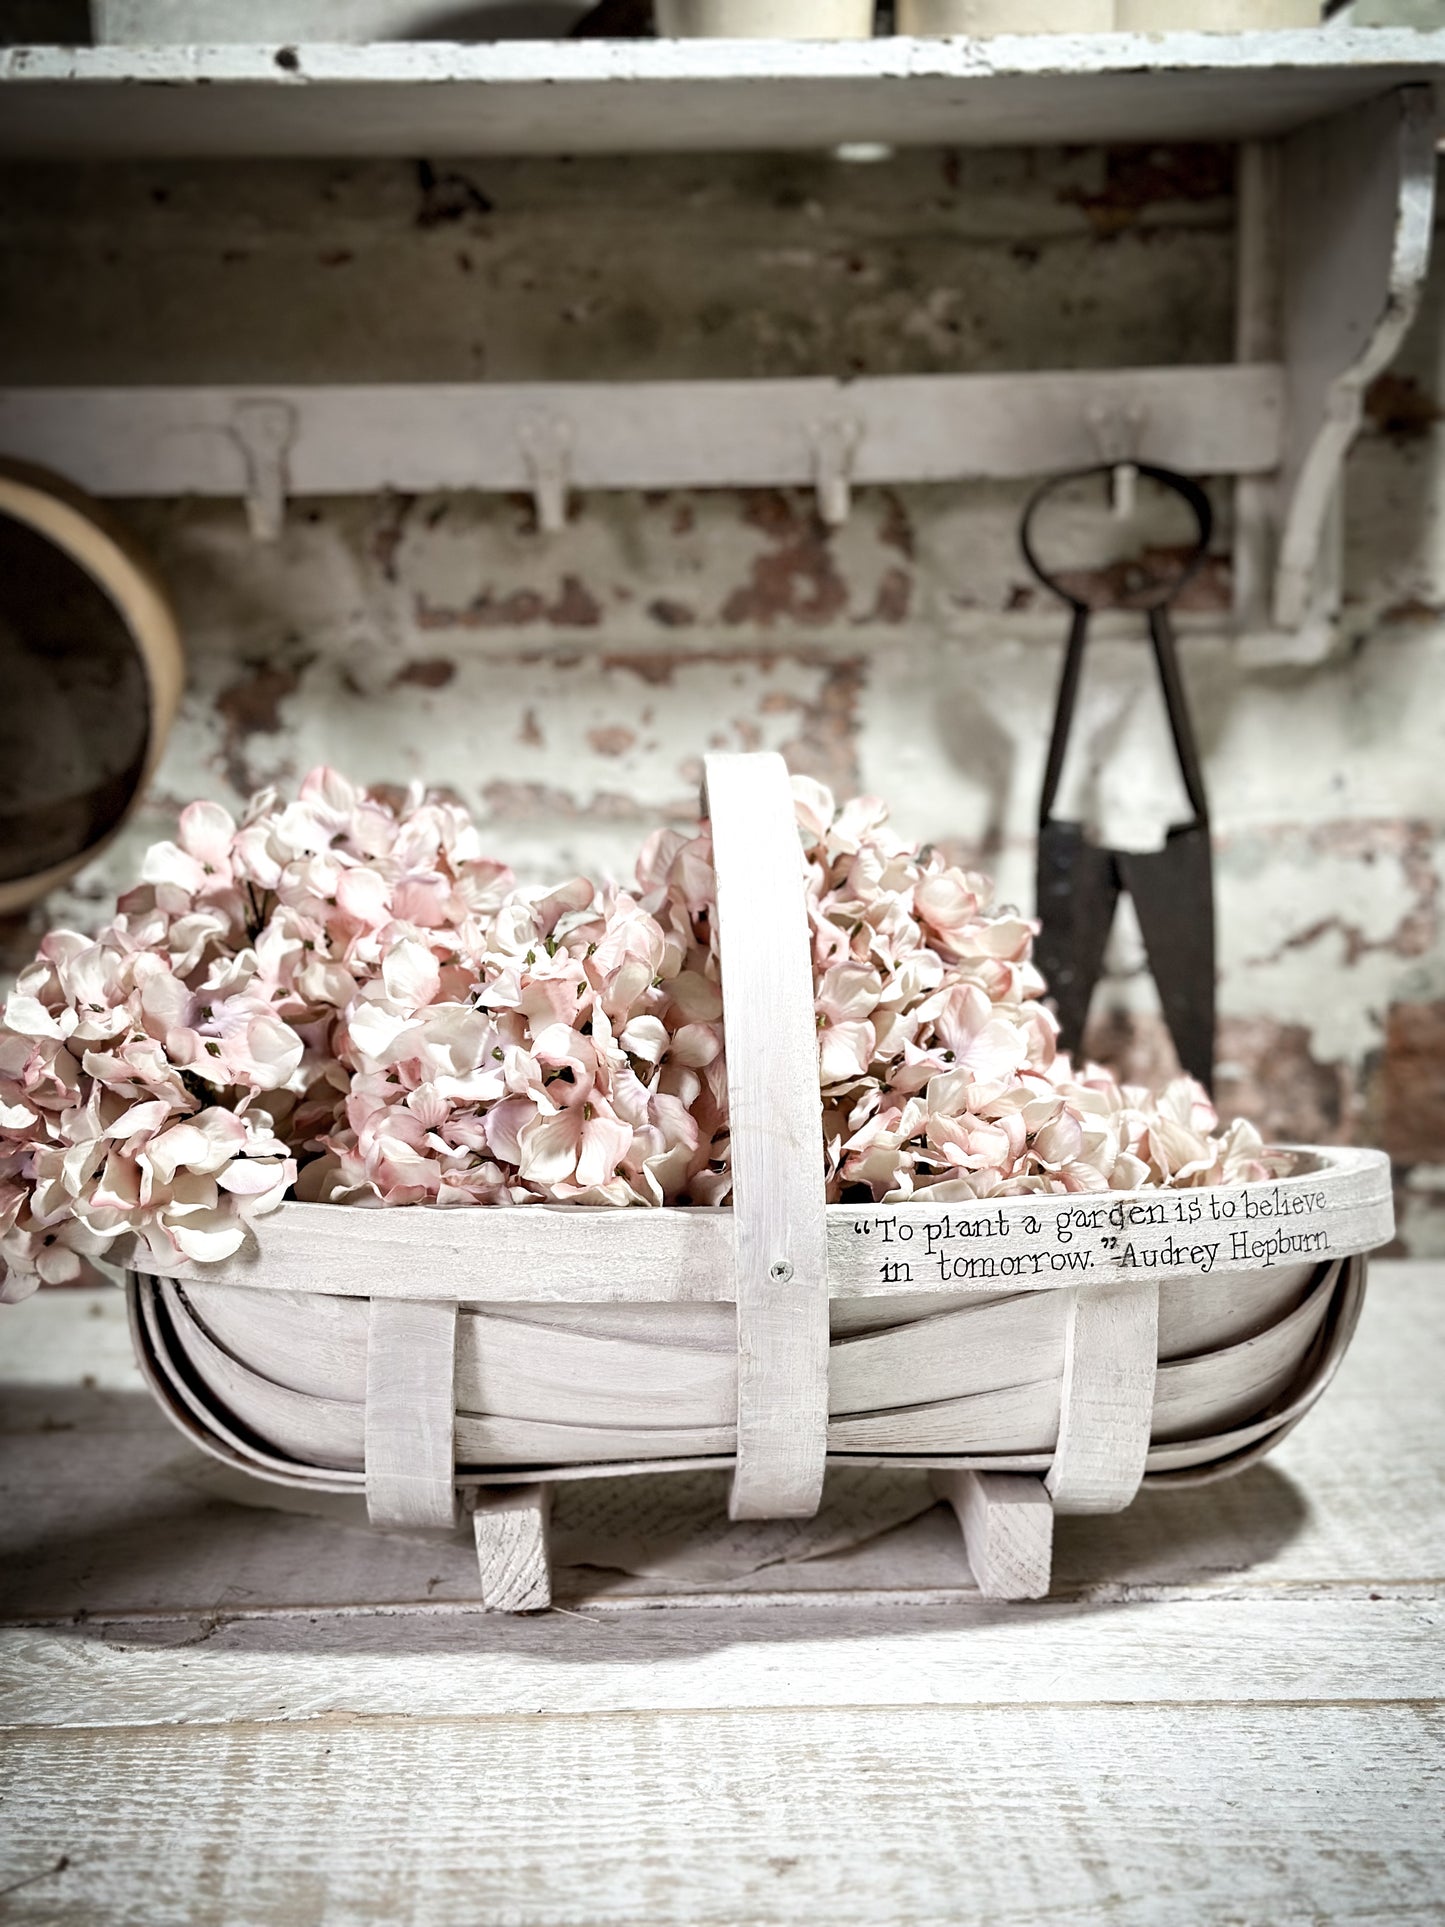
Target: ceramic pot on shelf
(765, 19)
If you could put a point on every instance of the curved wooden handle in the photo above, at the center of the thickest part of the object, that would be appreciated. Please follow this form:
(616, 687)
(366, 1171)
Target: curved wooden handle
(777, 1138)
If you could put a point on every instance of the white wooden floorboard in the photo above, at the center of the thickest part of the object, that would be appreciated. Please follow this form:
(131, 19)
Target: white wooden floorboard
(969, 1655)
(1130, 1815)
(220, 1714)
(1229, 1712)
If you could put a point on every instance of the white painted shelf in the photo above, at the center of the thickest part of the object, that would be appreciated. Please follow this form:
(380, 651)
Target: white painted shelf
(1336, 212)
(593, 97)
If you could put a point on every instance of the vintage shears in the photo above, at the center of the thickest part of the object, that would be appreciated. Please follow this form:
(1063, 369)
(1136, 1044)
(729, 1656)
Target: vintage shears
(1079, 883)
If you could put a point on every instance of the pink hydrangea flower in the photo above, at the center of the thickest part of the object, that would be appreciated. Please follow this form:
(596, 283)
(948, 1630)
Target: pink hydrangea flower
(349, 1002)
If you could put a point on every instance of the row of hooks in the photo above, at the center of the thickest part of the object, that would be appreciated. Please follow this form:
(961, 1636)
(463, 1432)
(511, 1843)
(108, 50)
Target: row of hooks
(265, 432)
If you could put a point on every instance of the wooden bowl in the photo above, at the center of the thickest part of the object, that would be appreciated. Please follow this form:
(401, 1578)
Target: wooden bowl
(95, 669)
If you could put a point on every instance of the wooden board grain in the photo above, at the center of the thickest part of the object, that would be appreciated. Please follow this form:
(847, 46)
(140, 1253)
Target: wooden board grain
(1232, 1714)
(631, 96)
(1212, 1813)
(965, 1653)
(1008, 1529)
(511, 1526)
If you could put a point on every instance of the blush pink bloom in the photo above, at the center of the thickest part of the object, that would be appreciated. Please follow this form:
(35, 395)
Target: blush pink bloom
(346, 1000)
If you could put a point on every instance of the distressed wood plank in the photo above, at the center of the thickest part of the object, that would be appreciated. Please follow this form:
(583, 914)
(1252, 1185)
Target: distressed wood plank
(1211, 1814)
(1008, 1529)
(580, 97)
(360, 438)
(776, 1132)
(966, 1653)
(511, 1527)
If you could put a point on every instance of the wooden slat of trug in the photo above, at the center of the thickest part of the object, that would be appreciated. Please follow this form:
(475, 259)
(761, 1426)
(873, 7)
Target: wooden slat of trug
(676, 1364)
(1193, 1400)
(511, 1524)
(410, 1414)
(1111, 1354)
(1338, 1202)
(522, 1254)
(580, 1254)
(775, 1123)
(1008, 1530)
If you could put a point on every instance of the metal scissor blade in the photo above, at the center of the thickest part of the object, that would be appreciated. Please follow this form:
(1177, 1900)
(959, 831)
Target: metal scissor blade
(1173, 893)
(1078, 887)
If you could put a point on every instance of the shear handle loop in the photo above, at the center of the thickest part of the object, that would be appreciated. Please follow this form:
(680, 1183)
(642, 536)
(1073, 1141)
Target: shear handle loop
(1161, 635)
(1188, 491)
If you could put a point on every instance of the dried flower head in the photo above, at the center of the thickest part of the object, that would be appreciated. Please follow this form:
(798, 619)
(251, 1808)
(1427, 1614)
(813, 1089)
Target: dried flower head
(347, 1002)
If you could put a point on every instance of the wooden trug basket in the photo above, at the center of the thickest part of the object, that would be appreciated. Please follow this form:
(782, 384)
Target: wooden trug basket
(1040, 1354)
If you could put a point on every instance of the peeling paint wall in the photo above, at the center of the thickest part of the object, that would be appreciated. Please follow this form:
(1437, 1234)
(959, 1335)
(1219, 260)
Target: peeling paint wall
(567, 686)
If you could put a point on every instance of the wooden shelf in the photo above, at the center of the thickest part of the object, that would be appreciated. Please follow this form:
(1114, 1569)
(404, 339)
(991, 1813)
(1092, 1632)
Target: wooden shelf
(594, 97)
(1336, 211)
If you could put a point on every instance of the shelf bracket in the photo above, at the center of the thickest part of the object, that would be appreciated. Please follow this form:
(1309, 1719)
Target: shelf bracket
(1356, 205)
